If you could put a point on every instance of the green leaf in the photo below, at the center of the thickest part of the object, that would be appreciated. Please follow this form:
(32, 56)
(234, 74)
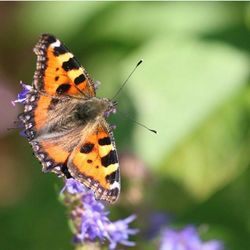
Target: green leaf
(180, 84)
(216, 153)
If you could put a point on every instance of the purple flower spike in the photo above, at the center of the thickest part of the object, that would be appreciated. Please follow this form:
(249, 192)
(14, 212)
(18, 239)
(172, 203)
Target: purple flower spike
(73, 186)
(90, 219)
(119, 232)
(186, 239)
(21, 97)
(93, 225)
(212, 245)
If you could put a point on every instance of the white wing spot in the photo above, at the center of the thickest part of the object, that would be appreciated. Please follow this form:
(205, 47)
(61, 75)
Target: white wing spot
(55, 44)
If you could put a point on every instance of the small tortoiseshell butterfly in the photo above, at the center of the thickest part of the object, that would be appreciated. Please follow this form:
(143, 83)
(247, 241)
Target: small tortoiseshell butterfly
(65, 121)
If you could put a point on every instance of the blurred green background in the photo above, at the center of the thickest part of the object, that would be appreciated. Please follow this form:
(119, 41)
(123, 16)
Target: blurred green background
(193, 88)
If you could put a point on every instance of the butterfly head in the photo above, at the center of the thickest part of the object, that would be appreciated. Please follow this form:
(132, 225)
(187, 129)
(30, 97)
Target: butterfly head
(111, 107)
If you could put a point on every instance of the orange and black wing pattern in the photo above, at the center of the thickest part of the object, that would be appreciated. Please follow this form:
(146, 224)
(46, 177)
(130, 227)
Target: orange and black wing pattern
(53, 150)
(58, 75)
(94, 162)
(58, 71)
(65, 136)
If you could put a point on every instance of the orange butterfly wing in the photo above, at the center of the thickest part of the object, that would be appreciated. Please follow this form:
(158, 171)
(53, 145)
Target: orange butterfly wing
(94, 162)
(58, 71)
(53, 150)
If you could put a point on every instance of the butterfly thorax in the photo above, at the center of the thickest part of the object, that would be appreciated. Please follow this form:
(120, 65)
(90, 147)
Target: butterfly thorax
(93, 109)
(69, 113)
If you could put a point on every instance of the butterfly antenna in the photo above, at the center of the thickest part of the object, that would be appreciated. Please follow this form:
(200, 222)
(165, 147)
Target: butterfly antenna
(119, 90)
(138, 123)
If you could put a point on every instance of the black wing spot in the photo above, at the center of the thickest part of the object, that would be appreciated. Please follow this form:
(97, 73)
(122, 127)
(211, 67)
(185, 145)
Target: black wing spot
(60, 50)
(110, 158)
(65, 170)
(114, 192)
(111, 178)
(89, 161)
(104, 141)
(87, 148)
(56, 78)
(81, 78)
(50, 39)
(71, 64)
(63, 88)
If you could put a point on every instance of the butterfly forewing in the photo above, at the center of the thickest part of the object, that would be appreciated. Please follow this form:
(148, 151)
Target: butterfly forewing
(58, 71)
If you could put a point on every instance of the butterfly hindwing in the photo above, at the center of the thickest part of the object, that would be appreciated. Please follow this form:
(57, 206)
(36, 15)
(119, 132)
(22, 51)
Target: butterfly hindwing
(52, 156)
(53, 150)
(95, 163)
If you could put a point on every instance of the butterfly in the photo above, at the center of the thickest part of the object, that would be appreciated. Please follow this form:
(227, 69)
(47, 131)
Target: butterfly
(65, 122)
